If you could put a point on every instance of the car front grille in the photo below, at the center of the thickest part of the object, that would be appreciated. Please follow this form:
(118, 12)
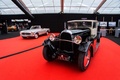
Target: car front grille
(25, 33)
(65, 45)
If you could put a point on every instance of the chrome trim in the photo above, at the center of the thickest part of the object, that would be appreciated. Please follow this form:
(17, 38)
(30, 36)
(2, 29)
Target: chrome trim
(66, 31)
(58, 39)
(63, 40)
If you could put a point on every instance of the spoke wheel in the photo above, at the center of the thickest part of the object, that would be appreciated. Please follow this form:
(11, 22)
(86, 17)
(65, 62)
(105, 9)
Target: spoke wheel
(87, 58)
(84, 60)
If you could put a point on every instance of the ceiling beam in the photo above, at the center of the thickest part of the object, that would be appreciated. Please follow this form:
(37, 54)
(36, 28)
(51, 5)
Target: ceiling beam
(100, 5)
(23, 7)
(62, 6)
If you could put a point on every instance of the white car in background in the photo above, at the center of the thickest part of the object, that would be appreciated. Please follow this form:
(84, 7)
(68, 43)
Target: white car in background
(34, 31)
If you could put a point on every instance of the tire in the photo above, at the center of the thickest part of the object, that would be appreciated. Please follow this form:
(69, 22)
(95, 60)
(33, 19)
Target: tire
(48, 54)
(36, 36)
(84, 60)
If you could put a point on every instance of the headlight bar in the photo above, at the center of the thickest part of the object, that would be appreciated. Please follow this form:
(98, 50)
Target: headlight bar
(77, 39)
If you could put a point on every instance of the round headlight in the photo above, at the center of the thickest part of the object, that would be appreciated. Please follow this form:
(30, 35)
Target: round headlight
(77, 39)
(52, 37)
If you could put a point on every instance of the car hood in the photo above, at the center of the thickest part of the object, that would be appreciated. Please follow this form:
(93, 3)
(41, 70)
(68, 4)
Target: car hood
(31, 30)
(73, 32)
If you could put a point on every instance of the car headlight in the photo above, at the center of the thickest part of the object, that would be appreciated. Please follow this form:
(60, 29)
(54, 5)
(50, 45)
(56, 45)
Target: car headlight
(52, 37)
(77, 39)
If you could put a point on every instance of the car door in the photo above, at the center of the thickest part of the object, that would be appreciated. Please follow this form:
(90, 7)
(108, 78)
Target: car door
(94, 29)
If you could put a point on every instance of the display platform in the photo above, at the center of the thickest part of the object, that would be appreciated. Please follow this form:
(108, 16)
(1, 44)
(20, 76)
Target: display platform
(30, 65)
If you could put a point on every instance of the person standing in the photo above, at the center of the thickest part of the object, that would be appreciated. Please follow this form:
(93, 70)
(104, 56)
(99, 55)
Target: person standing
(0, 27)
(4, 28)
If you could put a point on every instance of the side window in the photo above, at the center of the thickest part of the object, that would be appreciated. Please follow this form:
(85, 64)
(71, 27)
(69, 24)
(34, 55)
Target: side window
(94, 25)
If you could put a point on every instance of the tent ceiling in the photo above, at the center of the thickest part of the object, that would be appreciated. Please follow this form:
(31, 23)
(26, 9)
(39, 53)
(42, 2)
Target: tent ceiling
(66, 6)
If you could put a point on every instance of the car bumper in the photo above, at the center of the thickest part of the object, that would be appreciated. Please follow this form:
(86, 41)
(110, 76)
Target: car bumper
(28, 35)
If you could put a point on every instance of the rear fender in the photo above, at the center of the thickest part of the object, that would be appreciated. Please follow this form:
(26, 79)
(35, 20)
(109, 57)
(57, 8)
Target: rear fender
(99, 35)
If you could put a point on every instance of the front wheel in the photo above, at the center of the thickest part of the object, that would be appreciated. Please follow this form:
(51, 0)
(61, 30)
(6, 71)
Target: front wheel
(48, 54)
(84, 60)
(36, 36)
(47, 33)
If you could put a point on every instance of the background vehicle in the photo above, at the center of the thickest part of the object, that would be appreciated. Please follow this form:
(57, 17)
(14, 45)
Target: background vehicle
(34, 31)
(77, 43)
(12, 28)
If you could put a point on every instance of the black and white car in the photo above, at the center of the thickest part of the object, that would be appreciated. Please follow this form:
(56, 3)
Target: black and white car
(77, 43)
(34, 31)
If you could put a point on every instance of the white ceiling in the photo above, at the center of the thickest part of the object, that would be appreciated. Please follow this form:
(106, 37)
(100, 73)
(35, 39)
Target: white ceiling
(54, 6)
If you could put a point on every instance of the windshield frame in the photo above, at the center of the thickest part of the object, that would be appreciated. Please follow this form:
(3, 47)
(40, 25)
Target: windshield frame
(37, 27)
(79, 24)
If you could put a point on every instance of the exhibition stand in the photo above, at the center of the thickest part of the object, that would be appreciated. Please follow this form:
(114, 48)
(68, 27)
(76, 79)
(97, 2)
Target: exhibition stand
(103, 32)
(117, 32)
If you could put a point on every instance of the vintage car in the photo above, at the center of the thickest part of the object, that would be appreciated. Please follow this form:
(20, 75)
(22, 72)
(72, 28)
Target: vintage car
(77, 43)
(12, 28)
(34, 31)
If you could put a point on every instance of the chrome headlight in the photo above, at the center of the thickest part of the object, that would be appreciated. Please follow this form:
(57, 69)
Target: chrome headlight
(52, 37)
(77, 39)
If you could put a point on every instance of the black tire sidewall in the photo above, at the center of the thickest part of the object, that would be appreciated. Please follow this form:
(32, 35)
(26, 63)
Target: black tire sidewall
(47, 53)
(81, 60)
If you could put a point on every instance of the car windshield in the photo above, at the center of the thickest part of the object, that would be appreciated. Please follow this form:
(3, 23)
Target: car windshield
(83, 24)
(35, 27)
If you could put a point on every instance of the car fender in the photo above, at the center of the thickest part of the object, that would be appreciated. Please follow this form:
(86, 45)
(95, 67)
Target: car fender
(99, 35)
(84, 47)
(48, 43)
(35, 32)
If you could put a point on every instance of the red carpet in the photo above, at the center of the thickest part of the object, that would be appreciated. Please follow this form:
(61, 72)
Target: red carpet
(105, 65)
(17, 44)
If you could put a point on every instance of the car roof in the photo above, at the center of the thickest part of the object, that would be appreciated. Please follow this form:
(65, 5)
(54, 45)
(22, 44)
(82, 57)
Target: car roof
(82, 20)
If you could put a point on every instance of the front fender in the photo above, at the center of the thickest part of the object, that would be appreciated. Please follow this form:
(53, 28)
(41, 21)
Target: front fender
(84, 47)
(48, 43)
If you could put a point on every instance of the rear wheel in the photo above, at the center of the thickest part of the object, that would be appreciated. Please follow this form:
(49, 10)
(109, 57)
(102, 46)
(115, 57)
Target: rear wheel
(84, 60)
(48, 54)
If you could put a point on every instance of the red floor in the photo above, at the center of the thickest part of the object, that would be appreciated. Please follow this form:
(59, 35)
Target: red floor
(105, 65)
